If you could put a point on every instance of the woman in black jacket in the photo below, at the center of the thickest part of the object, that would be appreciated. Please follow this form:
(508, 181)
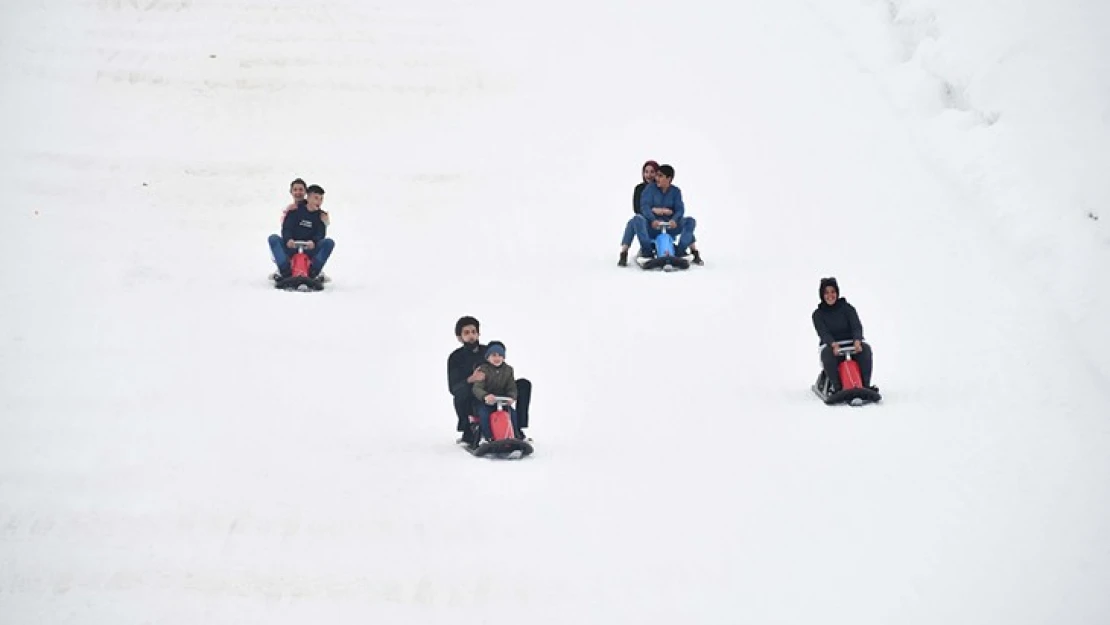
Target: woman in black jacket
(836, 320)
(647, 173)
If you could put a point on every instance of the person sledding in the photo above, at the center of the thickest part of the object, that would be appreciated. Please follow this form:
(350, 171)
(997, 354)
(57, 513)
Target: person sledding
(464, 371)
(661, 204)
(840, 331)
(647, 175)
(303, 226)
(498, 380)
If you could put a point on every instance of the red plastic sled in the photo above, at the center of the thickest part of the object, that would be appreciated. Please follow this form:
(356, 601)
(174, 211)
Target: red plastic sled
(852, 391)
(299, 265)
(850, 377)
(501, 424)
(505, 444)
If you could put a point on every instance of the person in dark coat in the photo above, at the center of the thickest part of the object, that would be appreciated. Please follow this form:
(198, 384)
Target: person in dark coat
(464, 371)
(647, 173)
(836, 320)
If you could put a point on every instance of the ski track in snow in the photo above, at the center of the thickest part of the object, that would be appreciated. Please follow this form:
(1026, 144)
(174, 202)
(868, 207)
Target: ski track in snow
(158, 462)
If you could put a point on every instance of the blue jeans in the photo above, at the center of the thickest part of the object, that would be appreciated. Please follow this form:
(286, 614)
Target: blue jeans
(485, 411)
(319, 254)
(647, 235)
(629, 232)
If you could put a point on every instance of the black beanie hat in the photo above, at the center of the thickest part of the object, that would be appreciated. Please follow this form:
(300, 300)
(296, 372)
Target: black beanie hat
(465, 321)
(827, 282)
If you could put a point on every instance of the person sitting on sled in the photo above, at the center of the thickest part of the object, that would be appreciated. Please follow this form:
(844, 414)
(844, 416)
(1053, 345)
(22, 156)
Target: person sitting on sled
(299, 189)
(661, 203)
(498, 380)
(836, 320)
(303, 223)
(463, 372)
(647, 172)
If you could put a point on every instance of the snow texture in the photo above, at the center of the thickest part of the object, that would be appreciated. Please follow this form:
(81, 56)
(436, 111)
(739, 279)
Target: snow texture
(181, 443)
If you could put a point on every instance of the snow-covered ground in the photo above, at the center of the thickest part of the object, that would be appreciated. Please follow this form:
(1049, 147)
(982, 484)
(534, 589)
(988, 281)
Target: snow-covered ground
(181, 443)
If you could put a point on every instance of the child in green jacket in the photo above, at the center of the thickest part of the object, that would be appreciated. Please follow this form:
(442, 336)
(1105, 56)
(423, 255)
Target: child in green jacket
(499, 381)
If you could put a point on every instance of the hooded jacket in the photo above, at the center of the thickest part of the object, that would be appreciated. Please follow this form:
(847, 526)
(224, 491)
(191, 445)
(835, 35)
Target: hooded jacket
(838, 322)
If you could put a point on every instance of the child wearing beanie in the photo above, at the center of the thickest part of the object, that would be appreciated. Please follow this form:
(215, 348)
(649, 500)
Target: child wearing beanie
(499, 381)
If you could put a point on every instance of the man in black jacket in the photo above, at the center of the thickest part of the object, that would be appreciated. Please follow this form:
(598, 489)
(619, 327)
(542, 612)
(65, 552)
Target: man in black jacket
(303, 223)
(836, 320)
(462, 373)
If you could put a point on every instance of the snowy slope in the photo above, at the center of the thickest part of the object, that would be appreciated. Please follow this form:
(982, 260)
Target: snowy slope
(159, 462)
(1010, 103)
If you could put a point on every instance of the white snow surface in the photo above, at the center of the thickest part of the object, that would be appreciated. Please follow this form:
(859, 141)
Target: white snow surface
(180, 443)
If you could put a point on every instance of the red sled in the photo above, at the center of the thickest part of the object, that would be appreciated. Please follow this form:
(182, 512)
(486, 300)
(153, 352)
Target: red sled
(852, 390)
(505, 444)
(299, 265)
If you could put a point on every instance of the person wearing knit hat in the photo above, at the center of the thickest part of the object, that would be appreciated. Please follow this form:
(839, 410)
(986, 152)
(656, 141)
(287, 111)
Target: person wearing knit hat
(837, 320)
(498, 380)
(662, 203)
(647, 173)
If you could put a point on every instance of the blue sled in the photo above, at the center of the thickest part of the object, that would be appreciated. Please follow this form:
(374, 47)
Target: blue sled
(664, 254)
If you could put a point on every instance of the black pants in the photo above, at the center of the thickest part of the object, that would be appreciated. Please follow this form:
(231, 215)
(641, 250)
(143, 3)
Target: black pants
(466, 403)
(830, 362)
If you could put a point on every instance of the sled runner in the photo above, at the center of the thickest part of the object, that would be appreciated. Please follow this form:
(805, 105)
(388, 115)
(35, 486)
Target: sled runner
(852, 391)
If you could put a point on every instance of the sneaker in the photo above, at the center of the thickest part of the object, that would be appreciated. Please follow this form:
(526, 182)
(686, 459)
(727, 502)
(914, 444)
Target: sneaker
(623, 260)
(646, 253)
(697, 258)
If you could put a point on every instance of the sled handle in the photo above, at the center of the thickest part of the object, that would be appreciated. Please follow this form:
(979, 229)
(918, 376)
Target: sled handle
(846, 347)
(501, 401)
